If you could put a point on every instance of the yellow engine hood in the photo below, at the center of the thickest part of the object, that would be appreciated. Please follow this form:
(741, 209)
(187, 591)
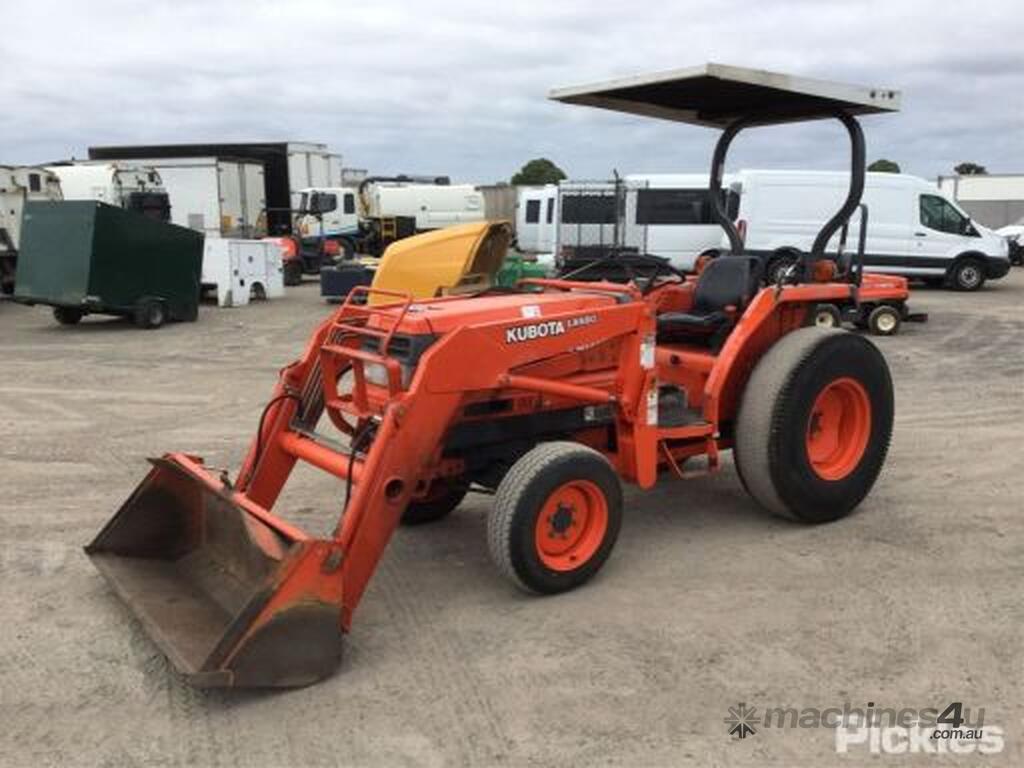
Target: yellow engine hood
(465, 258)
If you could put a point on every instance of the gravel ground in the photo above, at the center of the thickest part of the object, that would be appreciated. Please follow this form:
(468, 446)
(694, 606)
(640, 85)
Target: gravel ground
(914, 601)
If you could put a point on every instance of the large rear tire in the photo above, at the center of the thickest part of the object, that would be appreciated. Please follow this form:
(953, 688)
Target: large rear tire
(814, 424)
(556, 517)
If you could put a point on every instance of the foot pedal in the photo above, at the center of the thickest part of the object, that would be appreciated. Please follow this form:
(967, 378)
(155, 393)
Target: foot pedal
(674, 410)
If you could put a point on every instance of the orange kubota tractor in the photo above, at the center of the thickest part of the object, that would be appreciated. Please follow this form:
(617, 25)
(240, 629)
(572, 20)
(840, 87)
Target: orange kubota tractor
(551, 397)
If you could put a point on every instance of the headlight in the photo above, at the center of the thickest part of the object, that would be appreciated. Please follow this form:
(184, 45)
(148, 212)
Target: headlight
(377, 374)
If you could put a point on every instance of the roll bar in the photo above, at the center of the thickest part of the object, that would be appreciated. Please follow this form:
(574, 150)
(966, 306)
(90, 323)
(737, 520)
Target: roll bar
(858, 170)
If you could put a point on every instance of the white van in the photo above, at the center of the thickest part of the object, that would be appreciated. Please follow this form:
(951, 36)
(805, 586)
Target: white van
(913, 229)
(536, 218)
(666, 215)
(672, 215)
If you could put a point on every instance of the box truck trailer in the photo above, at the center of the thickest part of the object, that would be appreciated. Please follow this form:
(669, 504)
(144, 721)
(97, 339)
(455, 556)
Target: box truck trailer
(18, 185)
(288, 168)
(218, 197)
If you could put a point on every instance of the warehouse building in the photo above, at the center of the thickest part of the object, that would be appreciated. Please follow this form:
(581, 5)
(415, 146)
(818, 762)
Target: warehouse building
(994, 200)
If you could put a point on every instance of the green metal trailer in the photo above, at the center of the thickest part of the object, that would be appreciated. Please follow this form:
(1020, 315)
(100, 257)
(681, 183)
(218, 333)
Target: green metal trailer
(85, 257)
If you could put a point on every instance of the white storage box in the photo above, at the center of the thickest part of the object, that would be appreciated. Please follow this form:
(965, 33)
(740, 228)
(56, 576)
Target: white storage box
(241, 270)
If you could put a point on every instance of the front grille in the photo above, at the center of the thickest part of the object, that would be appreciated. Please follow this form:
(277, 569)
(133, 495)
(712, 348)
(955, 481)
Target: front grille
(405, 348)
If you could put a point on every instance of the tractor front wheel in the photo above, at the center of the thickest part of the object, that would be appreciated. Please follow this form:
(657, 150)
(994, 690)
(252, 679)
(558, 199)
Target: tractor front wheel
(814, 424)
(440, 501)
(556, 517)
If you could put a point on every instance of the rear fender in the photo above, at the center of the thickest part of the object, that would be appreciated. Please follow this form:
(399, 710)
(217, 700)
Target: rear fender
(771, 315)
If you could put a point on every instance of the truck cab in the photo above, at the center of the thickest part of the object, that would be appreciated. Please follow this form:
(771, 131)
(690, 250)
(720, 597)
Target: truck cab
(328, 212)
(132, 187)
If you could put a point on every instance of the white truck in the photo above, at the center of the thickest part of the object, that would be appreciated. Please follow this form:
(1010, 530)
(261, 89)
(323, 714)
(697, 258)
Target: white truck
(913, 228)
(129, 186)
(367, 218)
(221, 198)
(537, 218)
(19, 184)
(288, 166)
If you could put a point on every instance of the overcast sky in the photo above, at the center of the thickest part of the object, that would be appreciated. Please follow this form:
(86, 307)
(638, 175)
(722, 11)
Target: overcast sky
(460, 87)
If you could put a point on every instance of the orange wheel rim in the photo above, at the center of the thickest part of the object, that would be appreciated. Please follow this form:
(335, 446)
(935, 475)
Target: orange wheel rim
(838, 429)
(571, 525)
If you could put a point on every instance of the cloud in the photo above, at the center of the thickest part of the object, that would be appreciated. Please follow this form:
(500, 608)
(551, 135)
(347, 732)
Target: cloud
(459, 87)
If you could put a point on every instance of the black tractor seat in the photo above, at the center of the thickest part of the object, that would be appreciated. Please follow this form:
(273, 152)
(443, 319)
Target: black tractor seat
(728, 281)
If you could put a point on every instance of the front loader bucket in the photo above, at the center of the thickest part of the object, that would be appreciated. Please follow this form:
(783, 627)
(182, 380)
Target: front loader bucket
(231, 595)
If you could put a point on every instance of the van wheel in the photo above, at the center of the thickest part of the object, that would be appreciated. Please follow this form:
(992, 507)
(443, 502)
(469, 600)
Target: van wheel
(968, 275)
(348, 250)
(67, 315)
(292, 272)
(256, 292)
(814, 424)
(556, 517)
(884, 320)
(825, 316)
(150, 313)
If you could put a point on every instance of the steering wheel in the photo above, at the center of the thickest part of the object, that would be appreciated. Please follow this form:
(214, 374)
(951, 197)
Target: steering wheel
(660, 266)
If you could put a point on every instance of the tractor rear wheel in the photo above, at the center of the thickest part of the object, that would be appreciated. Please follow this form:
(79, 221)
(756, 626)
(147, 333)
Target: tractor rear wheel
(814, 424)
(556, 517)
(441, 500)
